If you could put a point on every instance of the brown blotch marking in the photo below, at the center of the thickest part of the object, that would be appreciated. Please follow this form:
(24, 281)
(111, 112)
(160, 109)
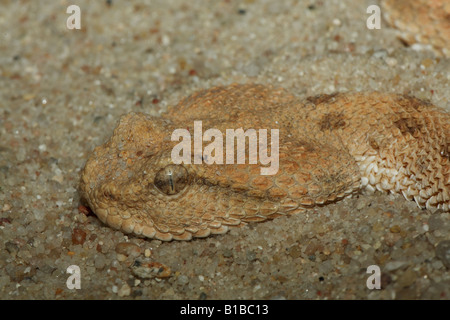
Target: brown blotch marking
(407, 125)
(304, 147)
(374, 144)
(377, 142)
(332, 121)
(407, 101)
(321, 98)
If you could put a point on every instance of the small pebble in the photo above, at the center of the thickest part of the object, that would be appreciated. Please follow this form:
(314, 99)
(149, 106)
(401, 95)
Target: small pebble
(78, 236)
(182, 280)
(4, 221)
(128, 249)
(391, 62)
(124, 291)
(394, 265)
(99, 261)
(121, 257)
(251, 255)
(83, 209)
(407, 278)
(360, 205)
(295, 251)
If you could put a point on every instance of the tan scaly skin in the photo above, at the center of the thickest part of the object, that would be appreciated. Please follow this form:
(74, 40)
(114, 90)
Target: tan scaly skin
(330, 147)
(421, 21)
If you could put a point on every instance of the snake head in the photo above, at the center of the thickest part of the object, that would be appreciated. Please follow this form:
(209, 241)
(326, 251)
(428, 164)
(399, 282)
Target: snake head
(132, 185)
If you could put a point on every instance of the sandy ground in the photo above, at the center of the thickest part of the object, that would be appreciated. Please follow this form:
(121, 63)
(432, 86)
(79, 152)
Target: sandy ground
(62, 92)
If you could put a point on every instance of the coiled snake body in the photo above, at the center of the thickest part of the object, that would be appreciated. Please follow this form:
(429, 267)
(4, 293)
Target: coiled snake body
(330, 147)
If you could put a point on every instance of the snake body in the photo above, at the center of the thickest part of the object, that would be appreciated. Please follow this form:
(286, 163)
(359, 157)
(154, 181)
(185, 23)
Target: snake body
(421, 21)
(330, 147)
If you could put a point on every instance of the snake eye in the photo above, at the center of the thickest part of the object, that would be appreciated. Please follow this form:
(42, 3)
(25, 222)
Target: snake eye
(171, 179)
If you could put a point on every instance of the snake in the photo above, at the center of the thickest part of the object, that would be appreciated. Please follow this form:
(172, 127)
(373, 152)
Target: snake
(421, 22)
(329, 147)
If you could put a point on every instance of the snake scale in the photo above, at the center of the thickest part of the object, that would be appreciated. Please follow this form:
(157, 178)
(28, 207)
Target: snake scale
(330, 147)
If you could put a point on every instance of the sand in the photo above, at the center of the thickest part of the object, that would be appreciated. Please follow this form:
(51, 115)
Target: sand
(62, 92)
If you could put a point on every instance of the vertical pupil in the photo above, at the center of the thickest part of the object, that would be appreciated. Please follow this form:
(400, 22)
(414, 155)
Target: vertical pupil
(170, 174)
(171, 179)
